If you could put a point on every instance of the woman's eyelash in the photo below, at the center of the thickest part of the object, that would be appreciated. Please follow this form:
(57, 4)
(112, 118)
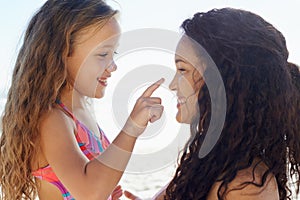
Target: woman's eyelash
(181, 69)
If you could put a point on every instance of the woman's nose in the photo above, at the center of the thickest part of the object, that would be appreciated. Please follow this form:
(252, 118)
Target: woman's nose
(172, 85)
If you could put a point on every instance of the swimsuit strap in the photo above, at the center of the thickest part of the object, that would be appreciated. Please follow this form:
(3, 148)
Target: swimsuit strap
(67, 111)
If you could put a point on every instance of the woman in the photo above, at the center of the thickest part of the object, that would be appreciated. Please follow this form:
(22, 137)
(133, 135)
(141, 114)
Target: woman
(258, 149)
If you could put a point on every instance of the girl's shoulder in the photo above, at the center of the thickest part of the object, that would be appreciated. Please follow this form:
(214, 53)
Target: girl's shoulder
(52, 124)
(56, 118)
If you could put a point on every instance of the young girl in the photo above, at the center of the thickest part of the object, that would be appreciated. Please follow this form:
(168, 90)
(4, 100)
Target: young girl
(50, 144)
(258, 150)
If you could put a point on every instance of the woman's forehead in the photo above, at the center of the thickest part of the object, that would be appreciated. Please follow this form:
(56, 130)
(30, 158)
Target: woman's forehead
(187, 47)
(187, 50)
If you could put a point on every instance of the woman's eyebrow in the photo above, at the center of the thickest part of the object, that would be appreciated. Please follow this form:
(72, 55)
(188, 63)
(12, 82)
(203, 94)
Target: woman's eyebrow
(179, 60)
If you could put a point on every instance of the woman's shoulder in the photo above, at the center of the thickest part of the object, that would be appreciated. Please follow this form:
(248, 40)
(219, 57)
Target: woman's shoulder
(248, 185)
(256, 189)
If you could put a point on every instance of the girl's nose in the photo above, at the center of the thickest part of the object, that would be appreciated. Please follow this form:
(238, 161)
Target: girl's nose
(112, 67)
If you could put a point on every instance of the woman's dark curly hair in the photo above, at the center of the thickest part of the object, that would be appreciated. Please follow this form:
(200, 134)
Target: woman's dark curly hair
(261, 115)
(295, 72)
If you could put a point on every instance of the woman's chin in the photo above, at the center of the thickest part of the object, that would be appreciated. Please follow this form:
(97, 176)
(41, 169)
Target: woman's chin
(181, 119)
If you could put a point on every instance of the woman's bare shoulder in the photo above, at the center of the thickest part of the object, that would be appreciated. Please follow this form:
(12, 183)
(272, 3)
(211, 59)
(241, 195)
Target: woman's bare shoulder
(240, 188)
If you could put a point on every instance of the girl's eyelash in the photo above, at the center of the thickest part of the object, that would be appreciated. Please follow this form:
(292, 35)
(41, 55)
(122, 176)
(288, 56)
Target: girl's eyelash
(103, 55)
(181, 69)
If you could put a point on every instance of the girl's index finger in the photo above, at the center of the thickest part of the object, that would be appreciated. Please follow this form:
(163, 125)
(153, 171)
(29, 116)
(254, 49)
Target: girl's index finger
(149, 91)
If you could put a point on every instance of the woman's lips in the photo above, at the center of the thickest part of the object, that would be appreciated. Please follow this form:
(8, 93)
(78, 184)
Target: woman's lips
(180, 101)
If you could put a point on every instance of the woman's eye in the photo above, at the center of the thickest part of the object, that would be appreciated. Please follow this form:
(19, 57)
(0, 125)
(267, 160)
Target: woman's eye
(115, 52)
(181, 70)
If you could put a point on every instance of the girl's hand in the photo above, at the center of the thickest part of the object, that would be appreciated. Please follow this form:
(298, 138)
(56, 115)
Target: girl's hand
(131, 196)
(146, 109)
(117, 193)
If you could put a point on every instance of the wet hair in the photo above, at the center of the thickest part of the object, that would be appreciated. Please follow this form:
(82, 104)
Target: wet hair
(39, 76)
(261, 116)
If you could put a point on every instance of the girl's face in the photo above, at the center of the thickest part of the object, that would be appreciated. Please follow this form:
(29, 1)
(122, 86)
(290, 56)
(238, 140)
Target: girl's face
(187, 81)
(91, 62)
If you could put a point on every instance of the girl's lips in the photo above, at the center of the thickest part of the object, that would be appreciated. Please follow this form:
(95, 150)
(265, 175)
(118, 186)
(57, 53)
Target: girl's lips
(102, 81)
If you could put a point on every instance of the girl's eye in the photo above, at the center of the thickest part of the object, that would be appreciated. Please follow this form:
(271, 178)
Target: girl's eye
(103, 54)
(106, 54)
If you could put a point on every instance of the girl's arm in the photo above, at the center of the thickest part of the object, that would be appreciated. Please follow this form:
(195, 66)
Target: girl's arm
(97, 178)
(158, 196)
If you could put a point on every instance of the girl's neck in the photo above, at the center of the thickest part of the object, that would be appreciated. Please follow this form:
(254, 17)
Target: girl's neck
(72, 99)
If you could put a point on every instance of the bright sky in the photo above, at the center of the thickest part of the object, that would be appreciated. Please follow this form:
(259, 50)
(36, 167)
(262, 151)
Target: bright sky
(135, 14)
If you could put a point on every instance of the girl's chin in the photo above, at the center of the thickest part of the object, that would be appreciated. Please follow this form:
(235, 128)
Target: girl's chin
(100, 95)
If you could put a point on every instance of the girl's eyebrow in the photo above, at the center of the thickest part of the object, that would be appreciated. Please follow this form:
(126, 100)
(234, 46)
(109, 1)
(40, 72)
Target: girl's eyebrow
(107, 46)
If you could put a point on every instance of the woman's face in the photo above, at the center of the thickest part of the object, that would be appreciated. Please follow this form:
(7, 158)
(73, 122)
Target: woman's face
(187, 81)
(91, 62)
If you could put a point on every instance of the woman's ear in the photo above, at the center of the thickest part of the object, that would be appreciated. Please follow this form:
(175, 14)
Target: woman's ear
(199, 80)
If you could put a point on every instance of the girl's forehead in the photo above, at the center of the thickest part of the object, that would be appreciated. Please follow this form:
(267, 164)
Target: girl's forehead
(100, 34)
(94, 37)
